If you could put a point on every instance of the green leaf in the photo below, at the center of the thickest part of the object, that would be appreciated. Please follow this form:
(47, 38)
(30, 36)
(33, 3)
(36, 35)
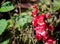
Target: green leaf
(24, 18)
(9, 23)
(23, 21)
(5, 42)
(3, 24)
(56, 5)
(46, 2)
(7, 6)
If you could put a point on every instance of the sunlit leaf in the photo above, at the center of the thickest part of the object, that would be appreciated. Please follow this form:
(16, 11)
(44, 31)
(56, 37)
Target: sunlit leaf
(9, 23)
(3, 24)
(5, 42)
(7, 6)
(46, 2)
(24, 18)
(56, 5)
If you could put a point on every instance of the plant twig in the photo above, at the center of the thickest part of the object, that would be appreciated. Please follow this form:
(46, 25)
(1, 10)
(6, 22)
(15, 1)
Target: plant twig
(3, 1)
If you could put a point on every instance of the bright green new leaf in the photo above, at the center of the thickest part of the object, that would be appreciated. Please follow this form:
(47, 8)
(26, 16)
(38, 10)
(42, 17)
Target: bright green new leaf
(56, 5)
(9, 23)
(3, 24)
(47, 2)
(5, 42)
(7, 6)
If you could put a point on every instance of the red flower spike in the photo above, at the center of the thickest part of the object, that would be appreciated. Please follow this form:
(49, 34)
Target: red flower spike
(50, 28)
(48, 15)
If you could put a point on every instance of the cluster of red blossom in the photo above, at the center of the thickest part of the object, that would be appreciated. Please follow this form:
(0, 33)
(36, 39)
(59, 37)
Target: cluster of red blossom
(40, 26)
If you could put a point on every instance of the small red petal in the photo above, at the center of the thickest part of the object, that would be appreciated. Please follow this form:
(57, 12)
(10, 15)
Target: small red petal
(51, 28)
(34, 22)
(40, 29)
(50, 40)
(40, 18)
(38, 36)
(37, 28)
(45, 36)
(44, 33)
(34, 13)
(34, 6)
(48, 15)
(43, 24)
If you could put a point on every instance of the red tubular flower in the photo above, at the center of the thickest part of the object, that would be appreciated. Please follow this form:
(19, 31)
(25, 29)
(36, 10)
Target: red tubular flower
(34, 6)
(45, 35)
(34, 22)
(37, 28)
(40, 18)
(38, 36)
(50, 28)
(42, 33)
(35, 12)
(48, 15)
(40, 28)
(50, 40)
(42, 25)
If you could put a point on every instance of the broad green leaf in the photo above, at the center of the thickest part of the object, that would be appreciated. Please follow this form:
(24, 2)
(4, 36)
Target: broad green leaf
(7, 6)
(3, 24)
(5, 42)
